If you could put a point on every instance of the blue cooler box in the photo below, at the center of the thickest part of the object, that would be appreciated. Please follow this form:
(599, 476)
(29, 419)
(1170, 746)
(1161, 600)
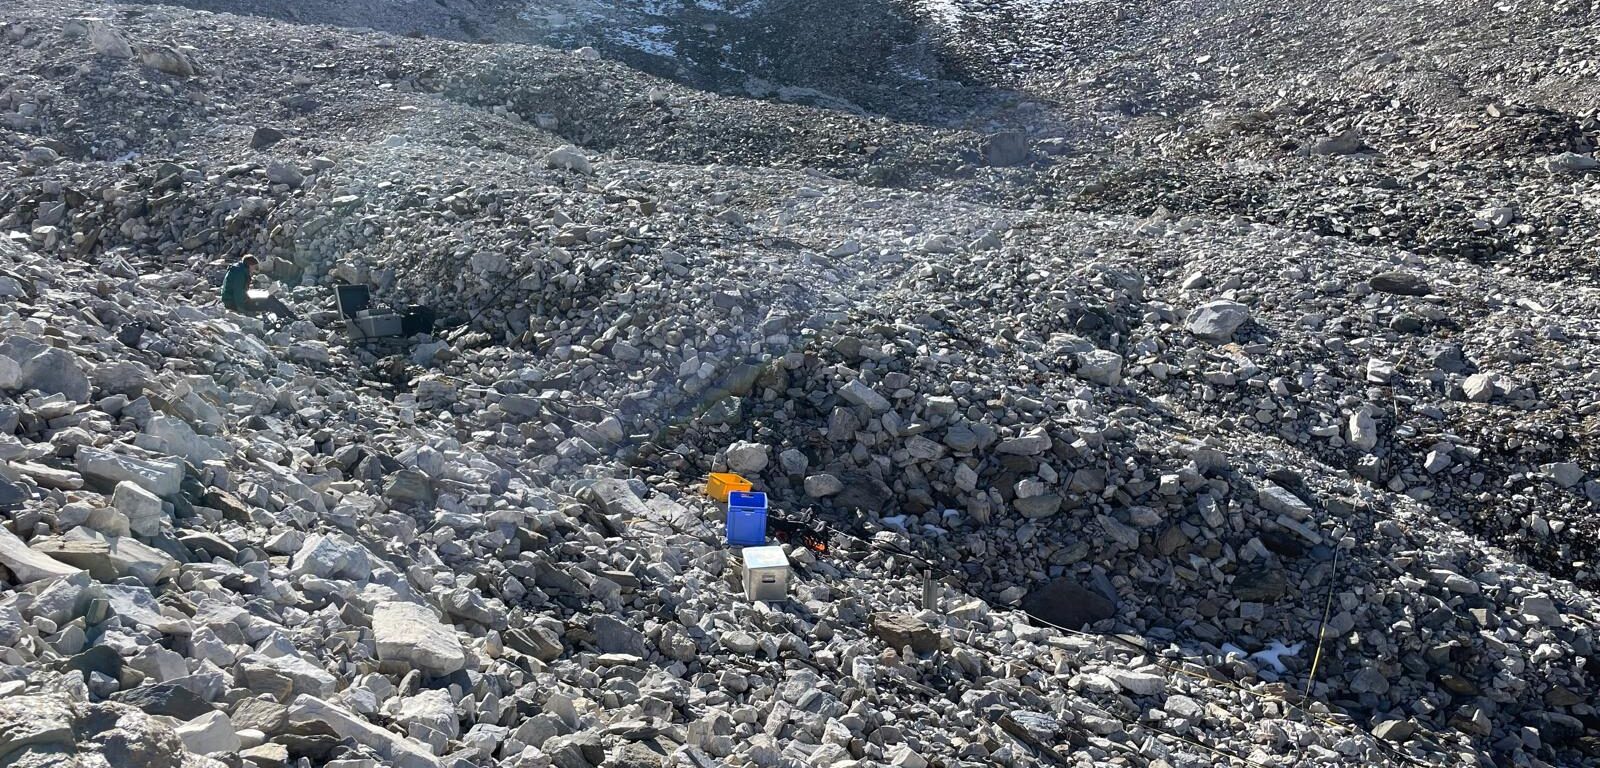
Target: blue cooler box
(747, 518)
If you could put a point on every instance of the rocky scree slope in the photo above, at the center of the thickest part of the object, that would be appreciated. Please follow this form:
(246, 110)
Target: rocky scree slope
(791, 51)
(281, 546)
(1462, 130)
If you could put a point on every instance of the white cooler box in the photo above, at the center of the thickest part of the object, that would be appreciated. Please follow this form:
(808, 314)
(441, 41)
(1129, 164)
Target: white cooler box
(766, 573)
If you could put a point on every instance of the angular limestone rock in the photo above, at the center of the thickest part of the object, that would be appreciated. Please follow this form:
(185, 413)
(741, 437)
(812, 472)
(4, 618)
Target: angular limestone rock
(1217, 320)
(142, 508)
(413, 634)
(395, 749)
(898, 630)
(331, 556)
(162, 478)
(26, 564)
(109, 558)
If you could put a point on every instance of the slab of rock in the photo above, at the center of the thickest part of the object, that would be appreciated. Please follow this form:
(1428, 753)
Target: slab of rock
(1565, 473)
(167, 699)
(1394, 730)
(1137, 683)
(108, 558)
(857, 393)
(396, 750)
(179, 439)
(862, 491)
(260, 714)
(49, 477)
(793, 462)
(121, 377)
(53, 730)
(1540, 609)
(265, 136)
(166, 58)
(538, 642)
(1400, 284)
(1066, 603)
(1570, 162)
(1217, 320)
(1363, 430)
(899, 630)
(429, 711)
(10, 375)
(108, 41)
(611, 635)
(332, 556)
(28, 565)
(1031, 443)
(739, 641)
(1260, 585)
(411, 633)
(1037, 507)
(37, 724)
(291, 675)
(578, 750)
(1275, 498)
(135, 605)
(616, 498)
(961, 438)
(268, 755)
(1347, 142)
(12, 495)
(279, 172)
(409, 486)
(162, 478)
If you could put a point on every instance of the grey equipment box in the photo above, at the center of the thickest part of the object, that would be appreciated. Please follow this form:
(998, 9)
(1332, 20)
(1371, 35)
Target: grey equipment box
(368, 324)
(766, 573)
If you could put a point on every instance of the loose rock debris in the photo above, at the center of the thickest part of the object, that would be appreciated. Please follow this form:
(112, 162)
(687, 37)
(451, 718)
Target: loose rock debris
(1250, 436)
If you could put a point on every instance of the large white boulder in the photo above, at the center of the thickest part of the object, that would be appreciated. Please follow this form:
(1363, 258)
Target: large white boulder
(411, 633)
(162, 478)
(1100, 366)
(569, 158)
(209, 734)
(747, 458)
(1217, 320)
(56, 371)
(143, 508)
(332, 556)
(179, 439)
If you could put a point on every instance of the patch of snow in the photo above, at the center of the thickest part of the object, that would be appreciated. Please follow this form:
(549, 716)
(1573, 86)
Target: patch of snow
(647, 39)
(740, 8)
(1272, 656)
(662, 7)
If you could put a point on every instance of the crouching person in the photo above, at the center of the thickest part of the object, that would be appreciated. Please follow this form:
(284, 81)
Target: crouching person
(237, 296)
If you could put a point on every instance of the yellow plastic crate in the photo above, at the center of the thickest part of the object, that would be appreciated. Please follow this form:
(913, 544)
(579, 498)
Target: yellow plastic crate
(720, 484)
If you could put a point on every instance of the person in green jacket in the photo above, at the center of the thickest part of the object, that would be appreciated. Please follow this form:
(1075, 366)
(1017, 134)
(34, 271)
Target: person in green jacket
(237, 296)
